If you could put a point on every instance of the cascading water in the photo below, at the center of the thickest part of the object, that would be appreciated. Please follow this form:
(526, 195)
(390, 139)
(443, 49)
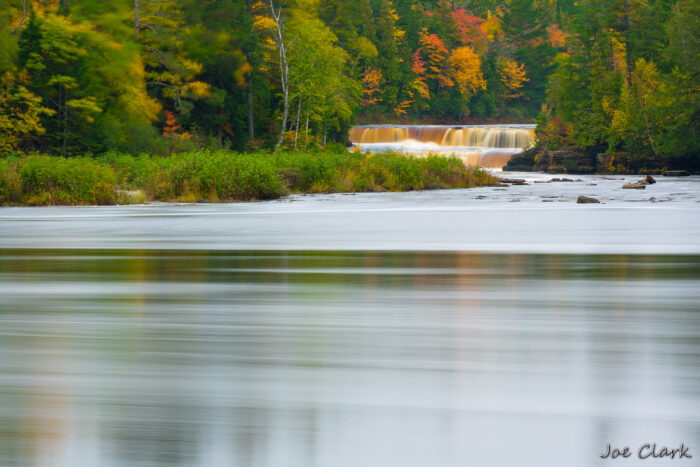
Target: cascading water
(483, 145)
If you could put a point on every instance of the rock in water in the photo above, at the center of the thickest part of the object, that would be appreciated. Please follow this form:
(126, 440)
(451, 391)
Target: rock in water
(514, 181)
(676, 173)
(640, 184)
(634, 186)
(586, 200)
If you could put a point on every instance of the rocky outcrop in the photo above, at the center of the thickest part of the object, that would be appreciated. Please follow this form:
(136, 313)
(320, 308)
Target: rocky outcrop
(522, 162)
(568, 161)
(625, 163)
(575, 161)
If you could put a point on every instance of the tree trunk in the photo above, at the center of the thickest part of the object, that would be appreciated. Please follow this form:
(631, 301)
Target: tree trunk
(137, 20)
(24, 16)
(628, 66)
(306, 131)
(65, 121)
(251, 116)
(284, 68)
(296, 131)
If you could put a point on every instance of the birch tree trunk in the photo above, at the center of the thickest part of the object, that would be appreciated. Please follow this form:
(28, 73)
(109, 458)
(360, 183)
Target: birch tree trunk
(296, 131)
(251, 116)
(137, 19)
(284, 68)
(25, 6)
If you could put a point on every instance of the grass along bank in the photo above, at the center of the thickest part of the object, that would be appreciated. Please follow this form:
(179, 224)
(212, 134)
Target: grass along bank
(221, 176)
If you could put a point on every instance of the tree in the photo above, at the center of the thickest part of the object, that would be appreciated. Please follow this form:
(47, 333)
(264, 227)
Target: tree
(283, 46)
(370, 89)
(466, 70)
(93, 85)
(436, 58)
(512, 76)
(525, 34)
(20, 114)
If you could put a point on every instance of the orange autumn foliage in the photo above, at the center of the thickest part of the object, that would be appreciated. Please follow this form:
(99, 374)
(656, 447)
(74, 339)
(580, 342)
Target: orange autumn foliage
(370, 87)
(419, 69)
(470, 26)
(557, 38)
(171, 127)
(436, 54)
(403, 105)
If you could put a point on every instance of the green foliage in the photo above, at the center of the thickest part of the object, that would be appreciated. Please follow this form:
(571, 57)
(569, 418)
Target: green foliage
(91, 82)
(44, 180)
(20, 115)
(628, 82)
(222, 176)
(332, 172)
(100, 75)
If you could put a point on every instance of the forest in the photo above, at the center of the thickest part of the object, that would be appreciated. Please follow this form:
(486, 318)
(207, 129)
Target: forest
(85, 77)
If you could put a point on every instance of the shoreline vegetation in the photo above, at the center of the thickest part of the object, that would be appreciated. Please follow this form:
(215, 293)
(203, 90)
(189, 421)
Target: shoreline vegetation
(222, 176)
(574, 160)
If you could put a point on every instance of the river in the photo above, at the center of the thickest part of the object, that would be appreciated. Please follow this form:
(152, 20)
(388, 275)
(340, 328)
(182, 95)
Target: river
(490, 326)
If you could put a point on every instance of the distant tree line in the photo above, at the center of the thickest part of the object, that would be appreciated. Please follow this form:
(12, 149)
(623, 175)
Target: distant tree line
(164, 76)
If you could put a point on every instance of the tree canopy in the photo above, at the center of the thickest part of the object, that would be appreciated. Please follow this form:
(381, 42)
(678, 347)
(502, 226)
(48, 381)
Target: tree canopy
(170, 75)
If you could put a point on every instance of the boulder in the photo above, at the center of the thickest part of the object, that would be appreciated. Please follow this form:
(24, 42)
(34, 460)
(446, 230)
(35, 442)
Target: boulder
(514, 181)
(634, 186)
(586, 200)
(649, 180)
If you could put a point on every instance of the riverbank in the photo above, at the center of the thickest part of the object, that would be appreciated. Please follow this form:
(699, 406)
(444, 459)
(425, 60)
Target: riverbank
(575, 161)
(222, 176)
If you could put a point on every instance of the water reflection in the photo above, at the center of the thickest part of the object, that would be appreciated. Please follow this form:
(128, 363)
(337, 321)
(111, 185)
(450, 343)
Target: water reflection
(177, 358)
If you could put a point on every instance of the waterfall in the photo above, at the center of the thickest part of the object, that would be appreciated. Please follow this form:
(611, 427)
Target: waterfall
(487, 137)
(470, 136)
(483, 145)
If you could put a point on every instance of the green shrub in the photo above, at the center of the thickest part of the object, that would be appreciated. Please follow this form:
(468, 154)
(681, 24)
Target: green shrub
(222, 176)
(55, 180)
(10, 182)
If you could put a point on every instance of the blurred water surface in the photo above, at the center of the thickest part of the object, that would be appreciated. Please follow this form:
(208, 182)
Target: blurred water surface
(127, 357)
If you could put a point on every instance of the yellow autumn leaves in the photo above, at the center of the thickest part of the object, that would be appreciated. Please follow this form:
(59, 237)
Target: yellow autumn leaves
(512, 76)
(466, 71)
